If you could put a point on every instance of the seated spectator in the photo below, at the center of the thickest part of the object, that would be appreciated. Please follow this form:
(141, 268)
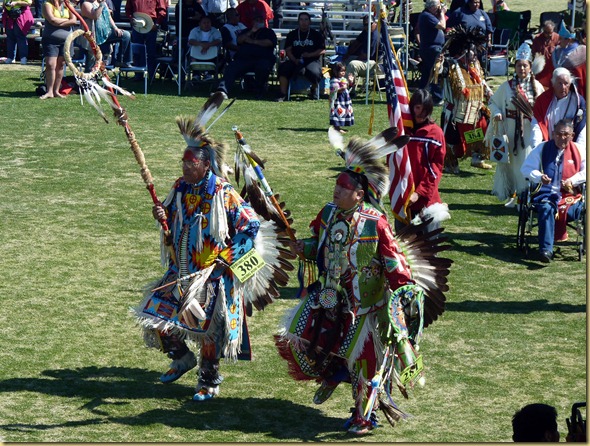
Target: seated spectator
(304, 47)
(255, 54)
(355, 58)
(192, 11)
(559, 166)
(249, 9)
(230, 32)
(204, 42)
(157, 11)
(544, 43)
(535, 423)
(97, 14)
(569, 54)
(561, 101)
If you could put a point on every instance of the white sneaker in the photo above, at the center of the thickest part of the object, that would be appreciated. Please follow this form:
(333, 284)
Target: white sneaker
(23, 61)
(511, 203)
(9, 61)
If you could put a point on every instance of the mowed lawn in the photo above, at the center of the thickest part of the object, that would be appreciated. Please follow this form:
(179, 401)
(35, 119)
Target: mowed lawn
(79, 244)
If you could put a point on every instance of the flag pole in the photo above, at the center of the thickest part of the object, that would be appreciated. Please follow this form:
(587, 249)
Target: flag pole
(368, 51)
(179, 39)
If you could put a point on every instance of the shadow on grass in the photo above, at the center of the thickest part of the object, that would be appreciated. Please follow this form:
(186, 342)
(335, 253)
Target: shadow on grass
(503, 248)
(114, 386)
(525, 307)
(20, 94)
(304, 129)
(495, 210)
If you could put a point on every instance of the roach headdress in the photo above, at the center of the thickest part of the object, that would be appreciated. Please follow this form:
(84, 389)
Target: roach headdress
(461, 39)
(194, 133)
(366, 158)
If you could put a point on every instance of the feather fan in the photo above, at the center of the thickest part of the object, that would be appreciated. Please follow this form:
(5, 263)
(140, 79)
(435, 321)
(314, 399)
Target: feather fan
(429, 271)
(262, 288)
(522, 104)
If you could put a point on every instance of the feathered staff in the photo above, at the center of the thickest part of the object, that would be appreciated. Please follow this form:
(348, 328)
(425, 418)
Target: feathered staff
(377, 384)
(93, 93)
(265, 201)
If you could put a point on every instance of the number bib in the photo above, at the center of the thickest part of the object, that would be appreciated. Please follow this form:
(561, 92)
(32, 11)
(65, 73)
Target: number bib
(410, 373)
(474, 135)
(248, 265)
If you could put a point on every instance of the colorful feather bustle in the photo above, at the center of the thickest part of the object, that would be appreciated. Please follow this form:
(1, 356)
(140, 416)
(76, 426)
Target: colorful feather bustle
(429, 271)
(263, 287)
(461, 38)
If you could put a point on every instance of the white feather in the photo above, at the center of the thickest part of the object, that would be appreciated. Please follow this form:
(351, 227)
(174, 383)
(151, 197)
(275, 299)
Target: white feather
(107, 83)
(538, 63)
(385, 150)
(438, 211)
(335, 138)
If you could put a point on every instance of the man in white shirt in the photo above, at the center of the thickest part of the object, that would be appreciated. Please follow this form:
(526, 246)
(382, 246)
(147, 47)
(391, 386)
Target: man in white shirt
(562, 101)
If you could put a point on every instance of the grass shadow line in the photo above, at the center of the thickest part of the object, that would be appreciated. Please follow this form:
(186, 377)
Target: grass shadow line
(271, 416)
(504, 307)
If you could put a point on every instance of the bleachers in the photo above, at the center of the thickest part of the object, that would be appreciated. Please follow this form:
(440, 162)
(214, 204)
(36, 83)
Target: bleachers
(345, 17)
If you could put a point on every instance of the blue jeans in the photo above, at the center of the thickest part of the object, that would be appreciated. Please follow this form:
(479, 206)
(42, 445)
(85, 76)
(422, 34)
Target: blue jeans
(14, 38)
(238, 67)
(150, 45)
(123, 55)
(546, 219)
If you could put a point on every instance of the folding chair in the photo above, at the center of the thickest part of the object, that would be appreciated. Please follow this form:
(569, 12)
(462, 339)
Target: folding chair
(203, 66)
(510, 20)
(525, 22)
(497, 57)
(139, 53)
(300, 83)
(555, 17)
(167, 61)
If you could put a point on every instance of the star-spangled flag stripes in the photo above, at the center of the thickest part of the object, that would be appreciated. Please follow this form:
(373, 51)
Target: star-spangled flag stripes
(398, 110)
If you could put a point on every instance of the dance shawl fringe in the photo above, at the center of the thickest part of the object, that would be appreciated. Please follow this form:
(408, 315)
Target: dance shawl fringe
(231, 349)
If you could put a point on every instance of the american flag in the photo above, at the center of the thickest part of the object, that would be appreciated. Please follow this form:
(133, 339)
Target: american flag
(398, 110)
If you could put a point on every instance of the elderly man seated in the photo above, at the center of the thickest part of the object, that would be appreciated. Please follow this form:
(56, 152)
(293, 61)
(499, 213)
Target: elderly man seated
(561, 101)
(559, 166)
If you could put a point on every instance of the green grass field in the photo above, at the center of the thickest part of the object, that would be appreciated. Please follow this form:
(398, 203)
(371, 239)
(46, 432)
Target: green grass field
(79, 244)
